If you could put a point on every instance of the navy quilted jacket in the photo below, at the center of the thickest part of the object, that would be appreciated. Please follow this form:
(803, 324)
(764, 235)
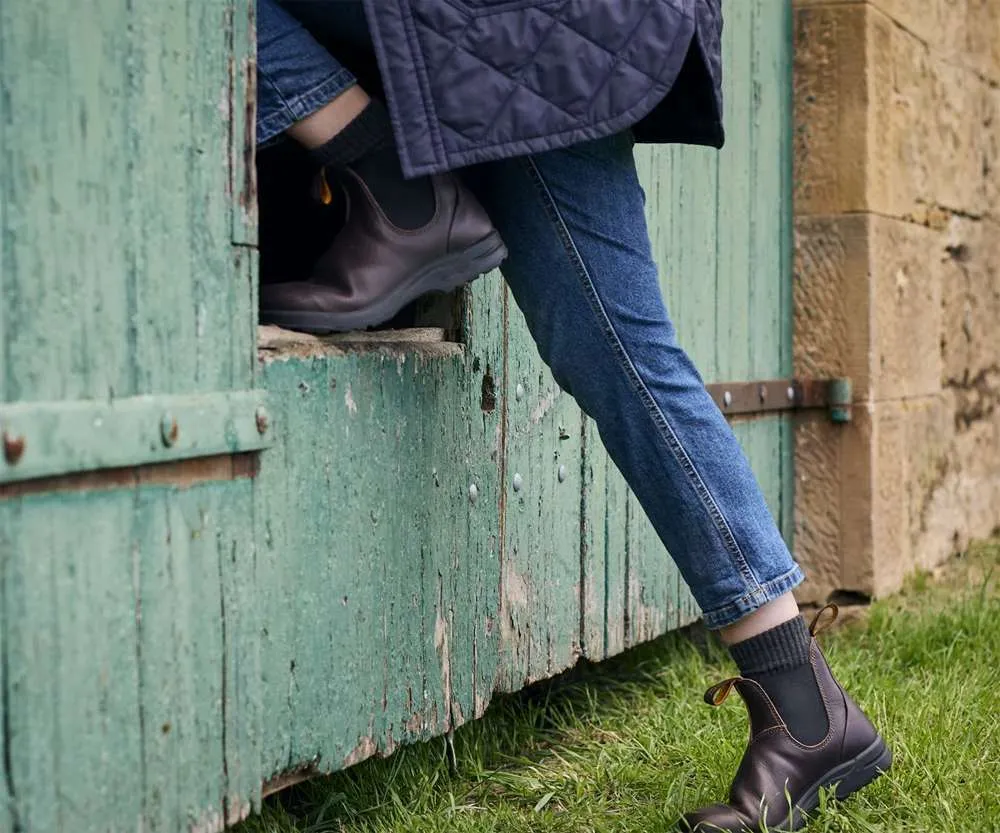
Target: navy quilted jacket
(474, 80)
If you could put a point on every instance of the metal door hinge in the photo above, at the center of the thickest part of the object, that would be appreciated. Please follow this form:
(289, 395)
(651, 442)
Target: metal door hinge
(48, 439)
(743, 398)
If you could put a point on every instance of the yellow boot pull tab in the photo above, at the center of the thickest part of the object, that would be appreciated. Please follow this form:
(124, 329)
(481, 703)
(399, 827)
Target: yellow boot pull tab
(718, 693)
(817, 627)
(325, 194)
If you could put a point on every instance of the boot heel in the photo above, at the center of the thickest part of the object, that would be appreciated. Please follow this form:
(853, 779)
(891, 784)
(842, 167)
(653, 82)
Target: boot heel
(874, 761)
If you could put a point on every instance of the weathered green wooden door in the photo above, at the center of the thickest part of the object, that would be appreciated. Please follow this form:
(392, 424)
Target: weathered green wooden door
(203, 594)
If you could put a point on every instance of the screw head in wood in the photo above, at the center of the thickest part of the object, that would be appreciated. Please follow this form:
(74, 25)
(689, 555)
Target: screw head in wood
(762, 392)
(562, 474)
(473, 493)
(519, 391)
(790, 393)
(518, 482)
(169, 430)
(263, 419)
(13, 448)
(727, 398)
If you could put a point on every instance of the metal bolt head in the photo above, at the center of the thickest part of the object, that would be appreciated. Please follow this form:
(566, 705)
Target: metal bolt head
(562, 474)
(263, 419)
(727, 398)
(762, 392)
(13, 448)
(473, 493)
(169, 430)
(518, 482)
(519, 391)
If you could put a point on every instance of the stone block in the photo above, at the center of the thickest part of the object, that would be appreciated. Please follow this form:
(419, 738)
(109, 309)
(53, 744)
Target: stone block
(931, 135)
(831, 297)
(961, 31)
(833, 505)
(983, 37)
(885, 123)
(832, 111)
(906, 267)
(912, 439)
(867, 304)
(970, 336)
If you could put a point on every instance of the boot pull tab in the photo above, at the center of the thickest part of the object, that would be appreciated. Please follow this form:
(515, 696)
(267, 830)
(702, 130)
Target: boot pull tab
(817, 627)
(321, 188)
(718, 693)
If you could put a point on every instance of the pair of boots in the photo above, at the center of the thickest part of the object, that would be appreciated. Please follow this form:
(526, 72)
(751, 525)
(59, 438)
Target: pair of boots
(401, 239)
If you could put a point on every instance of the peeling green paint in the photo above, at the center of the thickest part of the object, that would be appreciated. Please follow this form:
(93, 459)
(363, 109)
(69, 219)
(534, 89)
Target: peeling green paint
(167, 649)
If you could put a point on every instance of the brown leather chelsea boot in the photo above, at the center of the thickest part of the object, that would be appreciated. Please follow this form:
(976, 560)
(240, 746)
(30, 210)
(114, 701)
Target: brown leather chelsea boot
(779, 779)
(373, 268)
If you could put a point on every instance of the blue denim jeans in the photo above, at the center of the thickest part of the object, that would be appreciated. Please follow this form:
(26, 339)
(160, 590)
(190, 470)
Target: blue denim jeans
(581, 269)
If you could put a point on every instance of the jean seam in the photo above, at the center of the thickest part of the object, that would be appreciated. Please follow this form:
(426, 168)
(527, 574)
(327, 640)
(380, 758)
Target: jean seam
(302, 104)
(653, 410)
(730, 612)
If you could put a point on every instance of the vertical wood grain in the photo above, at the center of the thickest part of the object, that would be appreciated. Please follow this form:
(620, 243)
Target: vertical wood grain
(541, 571)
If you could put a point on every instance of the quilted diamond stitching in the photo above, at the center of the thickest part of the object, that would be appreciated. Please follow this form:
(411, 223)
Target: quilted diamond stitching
(556, 21)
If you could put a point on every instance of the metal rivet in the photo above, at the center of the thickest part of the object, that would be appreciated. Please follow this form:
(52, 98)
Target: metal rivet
(263, 420)
(518, 482)
(562, 474)
(519, 391)
(169, 430)
(727, 398)
(790, 393)
(473, 494)
(13, 448)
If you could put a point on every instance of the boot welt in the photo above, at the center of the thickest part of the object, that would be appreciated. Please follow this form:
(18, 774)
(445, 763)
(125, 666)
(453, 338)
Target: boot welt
(849, 777)
(442, 275)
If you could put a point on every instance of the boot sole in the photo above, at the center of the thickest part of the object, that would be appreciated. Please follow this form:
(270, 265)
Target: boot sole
(443, 275)
(849, 777)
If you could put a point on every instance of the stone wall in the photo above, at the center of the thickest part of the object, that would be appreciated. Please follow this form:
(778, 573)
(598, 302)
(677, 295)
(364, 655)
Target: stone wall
(897, 283)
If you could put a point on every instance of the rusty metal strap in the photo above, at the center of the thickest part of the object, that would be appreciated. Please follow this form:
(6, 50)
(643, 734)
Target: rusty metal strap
(47, 439)
(775, 395)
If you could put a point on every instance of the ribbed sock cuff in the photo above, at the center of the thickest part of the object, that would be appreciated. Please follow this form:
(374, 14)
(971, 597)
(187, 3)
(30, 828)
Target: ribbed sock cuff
(369, 132)
(782, 648)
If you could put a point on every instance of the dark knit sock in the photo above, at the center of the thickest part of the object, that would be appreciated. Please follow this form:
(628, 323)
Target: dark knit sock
(778, 660)
(366, 147)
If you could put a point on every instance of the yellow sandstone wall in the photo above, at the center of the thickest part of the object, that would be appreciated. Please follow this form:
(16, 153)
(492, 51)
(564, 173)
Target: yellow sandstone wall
(897, 284)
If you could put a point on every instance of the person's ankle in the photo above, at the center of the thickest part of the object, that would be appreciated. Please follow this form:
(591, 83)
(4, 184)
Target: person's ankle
(779, 660)
(366, 147)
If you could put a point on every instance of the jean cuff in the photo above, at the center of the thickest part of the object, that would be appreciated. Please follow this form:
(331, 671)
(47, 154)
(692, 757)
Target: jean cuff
(297, 107)
(746, 604)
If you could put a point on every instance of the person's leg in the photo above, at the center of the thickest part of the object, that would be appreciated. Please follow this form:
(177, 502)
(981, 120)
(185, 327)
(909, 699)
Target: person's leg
(402, 238)
(581, 270)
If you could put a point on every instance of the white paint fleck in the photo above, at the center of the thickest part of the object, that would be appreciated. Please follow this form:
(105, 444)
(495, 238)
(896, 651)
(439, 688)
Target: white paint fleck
(199, 320)
(352, 406)
(544, 406)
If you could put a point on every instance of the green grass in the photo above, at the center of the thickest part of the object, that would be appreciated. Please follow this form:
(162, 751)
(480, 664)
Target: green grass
(628, 745)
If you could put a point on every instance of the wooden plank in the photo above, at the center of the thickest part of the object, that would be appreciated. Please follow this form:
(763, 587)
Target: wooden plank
(476, 672)
(64, 267)
(119, 279)
(72, 692)
(242, 706)
(737, 272)
(604, 557)
(242, 25)
(396, 622)
(541, 570)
